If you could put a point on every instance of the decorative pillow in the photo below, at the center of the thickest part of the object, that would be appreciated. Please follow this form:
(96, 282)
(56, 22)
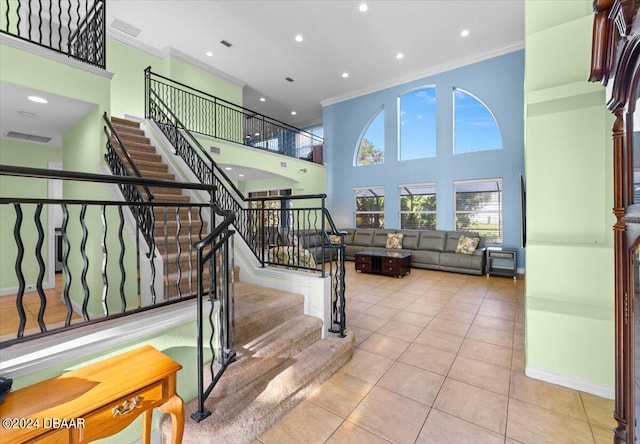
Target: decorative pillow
(292, 256)
(335, 239)
(467, 245)
(394, 240)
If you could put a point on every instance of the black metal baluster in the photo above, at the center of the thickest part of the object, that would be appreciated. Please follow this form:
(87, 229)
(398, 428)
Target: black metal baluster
(40, 21)
(85, 263)
(179, 279)
(59, 26)
(65, 264)
(105, 259)
(190, 249)
(166, 256)
(123, 274)
(18, 267)
(41, 268)
(152, 262)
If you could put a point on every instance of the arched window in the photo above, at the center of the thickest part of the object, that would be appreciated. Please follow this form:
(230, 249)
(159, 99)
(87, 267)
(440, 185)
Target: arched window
(475, 127)
(371, 146)
(417, 120)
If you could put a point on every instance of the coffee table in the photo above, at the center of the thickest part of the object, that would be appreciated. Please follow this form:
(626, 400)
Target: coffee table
(383, 262)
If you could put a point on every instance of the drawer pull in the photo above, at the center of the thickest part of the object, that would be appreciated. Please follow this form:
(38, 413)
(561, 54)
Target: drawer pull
(126, 407)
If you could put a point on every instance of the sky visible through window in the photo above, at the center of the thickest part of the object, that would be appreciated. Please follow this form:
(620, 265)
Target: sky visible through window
(475, 127)
(371, 149)
(418, 124)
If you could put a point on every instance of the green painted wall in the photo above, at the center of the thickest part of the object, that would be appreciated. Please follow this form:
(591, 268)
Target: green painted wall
(19, 153)
(127, 87)
(568, 169)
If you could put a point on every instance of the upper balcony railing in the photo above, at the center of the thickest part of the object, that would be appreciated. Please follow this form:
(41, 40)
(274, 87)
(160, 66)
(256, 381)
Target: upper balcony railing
(72, 27)
(209, 115)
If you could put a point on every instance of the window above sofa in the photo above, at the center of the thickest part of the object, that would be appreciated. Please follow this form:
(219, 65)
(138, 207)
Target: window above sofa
(478, 208)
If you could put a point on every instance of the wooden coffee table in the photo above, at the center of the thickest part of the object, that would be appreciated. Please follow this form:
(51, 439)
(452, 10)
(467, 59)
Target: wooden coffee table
(383, 262)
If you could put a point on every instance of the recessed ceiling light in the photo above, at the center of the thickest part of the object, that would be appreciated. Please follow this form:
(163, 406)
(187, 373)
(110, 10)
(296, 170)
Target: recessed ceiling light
(228, 168)
(363, 7)
(37, 99)
(240, 175)
(399, 56)
(464, 33)
(293, 113)
(262, 99)
(299, 38)
(209, 54)
(345, 75)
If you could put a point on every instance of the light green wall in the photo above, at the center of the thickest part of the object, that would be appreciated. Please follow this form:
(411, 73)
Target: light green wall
(19, 153)
(568, 169)
(313, 181)
(127, 87)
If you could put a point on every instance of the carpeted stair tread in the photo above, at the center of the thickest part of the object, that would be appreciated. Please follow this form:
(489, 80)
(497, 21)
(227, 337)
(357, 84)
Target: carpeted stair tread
(246, 414)
(259, 355)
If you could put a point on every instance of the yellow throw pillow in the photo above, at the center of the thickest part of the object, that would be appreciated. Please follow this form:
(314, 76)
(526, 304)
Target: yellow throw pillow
(394, 240)
(467, 245)
(335, 239)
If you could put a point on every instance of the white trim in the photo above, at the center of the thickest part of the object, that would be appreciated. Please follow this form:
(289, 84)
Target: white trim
(417, 75)
(169, 51)
(605, 391)
(41, 51)
(55, 350)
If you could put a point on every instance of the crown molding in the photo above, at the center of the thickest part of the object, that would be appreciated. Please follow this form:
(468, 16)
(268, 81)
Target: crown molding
(417, 75)
(26, 46)
(169, 51)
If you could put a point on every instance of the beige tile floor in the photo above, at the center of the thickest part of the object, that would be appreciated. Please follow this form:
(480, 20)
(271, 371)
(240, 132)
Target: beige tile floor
(439, 358)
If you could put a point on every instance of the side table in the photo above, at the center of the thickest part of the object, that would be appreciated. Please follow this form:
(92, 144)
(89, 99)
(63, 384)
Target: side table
(501, 262)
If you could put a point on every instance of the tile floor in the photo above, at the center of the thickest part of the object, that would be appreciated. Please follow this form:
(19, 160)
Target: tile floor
(439, 358)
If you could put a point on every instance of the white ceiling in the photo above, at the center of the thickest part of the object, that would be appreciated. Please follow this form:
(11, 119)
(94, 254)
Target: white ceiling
(337, 38)
(51, 120)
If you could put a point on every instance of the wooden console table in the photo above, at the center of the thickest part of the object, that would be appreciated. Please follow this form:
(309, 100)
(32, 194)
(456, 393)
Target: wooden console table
(96, 401)
(383, 262)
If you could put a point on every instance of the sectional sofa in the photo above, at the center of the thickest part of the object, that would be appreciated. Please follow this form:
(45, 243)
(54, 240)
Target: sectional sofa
(430, 249)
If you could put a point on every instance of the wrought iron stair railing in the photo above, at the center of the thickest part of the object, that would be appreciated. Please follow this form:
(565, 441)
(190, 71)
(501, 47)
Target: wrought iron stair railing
(87, 223)
(76, 28)
(287, 233)
(206, 114)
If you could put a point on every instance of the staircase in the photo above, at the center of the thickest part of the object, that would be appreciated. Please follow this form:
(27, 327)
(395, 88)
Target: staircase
(281, 359)
(151, 166)
(280, 354)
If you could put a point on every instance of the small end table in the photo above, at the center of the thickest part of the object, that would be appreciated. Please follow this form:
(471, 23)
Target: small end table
(501, 262)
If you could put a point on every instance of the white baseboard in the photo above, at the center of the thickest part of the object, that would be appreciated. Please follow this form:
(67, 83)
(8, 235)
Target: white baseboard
(604, 391)
(28, 287)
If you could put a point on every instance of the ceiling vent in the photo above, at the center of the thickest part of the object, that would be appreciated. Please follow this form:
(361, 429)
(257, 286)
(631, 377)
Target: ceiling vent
(28, 137)
(225, 43)
(126, 28)
(215, 150)
(289, 79)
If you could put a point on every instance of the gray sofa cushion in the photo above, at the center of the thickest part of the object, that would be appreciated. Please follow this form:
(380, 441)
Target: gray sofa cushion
(425, 257)
(363, 237)
(457, 260)
(432, 240)
(380, 237)
(410, 239)
(348, 238)
(454, 236)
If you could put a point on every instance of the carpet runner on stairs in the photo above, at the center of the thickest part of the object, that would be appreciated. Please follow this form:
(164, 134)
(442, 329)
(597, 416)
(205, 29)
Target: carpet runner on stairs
(281, 359)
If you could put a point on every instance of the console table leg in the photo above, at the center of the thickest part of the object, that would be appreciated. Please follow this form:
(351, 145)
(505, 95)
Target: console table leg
(146, 426)
(175, 407)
